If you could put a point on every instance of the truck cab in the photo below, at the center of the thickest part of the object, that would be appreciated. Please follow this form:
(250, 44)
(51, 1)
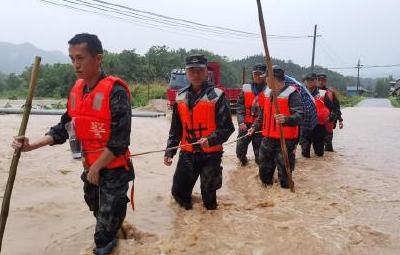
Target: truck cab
(177, 80)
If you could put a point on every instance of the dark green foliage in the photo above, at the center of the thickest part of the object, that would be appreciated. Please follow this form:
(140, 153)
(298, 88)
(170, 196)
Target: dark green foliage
(350, 101)
(395, 100)
(382, 87)
(155, 66)
(336, 80)
(228, 71)
(139, 93)
(3, 78)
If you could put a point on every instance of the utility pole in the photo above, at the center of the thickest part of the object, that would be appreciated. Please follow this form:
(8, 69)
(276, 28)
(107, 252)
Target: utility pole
(358, 76)
(313, 50)
(244, 75)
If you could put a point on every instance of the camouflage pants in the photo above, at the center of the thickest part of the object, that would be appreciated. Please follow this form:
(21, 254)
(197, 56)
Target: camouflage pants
(243, 144)
(271, 157)
(108, 202)
(190, 167)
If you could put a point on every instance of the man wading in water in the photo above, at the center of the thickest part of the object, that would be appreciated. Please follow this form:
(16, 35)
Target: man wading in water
(99, 106)
(201, 114)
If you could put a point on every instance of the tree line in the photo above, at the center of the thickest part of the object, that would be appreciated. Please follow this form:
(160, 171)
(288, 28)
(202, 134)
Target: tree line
(154, 66)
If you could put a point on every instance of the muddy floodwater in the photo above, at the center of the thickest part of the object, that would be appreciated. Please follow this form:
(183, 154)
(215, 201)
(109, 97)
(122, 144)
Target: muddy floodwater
(347, 202)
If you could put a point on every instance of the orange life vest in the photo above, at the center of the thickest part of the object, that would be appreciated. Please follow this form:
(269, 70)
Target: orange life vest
(198, 122)
(322, 111)
(270, 126)
(249, 104)
(329, 125)
(92, 116)
(329, 93)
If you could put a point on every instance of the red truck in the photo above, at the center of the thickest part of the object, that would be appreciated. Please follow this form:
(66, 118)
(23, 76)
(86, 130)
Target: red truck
(178, 80)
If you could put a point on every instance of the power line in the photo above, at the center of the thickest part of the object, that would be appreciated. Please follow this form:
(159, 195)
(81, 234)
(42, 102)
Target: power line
(150, 19)
(198, 24)
(329, 50)
(122, 19)
(174, 19)
(381, 66)
(142, 24)
(154, 20)
(365, 66)
(138, 23)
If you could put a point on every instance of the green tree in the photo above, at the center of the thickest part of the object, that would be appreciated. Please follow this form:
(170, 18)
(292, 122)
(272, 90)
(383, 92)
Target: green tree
(3, 77)
(161, 61)
(156, 65)
(228, 72)
(13, 82)
(128, 65)
(53, 80)
(382, 87)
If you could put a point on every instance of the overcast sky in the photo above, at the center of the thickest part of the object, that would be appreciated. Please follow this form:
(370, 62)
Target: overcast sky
(350, 29)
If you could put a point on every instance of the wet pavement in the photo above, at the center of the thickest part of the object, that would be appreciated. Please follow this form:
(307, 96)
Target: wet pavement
(375, 102)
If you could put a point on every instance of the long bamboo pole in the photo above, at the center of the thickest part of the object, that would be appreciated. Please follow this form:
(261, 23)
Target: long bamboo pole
(17, 153)
(274, 94)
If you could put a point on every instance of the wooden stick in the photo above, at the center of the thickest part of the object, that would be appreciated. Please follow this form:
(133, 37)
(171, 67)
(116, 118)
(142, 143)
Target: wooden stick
(17, 153)
(274, 94)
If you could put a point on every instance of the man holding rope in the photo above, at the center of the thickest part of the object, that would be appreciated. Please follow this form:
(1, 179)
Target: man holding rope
(291, 114)
(201, 123)
(99, 109)
(246, 113)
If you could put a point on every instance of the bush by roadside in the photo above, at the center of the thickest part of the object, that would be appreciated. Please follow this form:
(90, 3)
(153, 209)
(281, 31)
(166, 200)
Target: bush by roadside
(140, 93)
(395, 101)
(346, 101)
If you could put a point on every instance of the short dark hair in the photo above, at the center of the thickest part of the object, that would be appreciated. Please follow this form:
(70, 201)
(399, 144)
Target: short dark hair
(93, 43)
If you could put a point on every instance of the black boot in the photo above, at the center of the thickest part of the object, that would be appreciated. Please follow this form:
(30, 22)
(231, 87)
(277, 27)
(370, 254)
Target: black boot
(210, 206)
(186, 205)
(284, 184)
(266, 184)
(243, 161)
(106, 249)
(305, 154)
(209, 199)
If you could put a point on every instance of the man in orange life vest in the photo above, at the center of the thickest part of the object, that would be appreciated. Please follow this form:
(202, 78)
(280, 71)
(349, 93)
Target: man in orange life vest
(291, 115)
(322, 81)
(324, 108)
(99, 108)
(201, 114)
(246, 113)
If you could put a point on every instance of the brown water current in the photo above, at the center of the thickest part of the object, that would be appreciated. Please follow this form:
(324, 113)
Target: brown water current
(347, 202)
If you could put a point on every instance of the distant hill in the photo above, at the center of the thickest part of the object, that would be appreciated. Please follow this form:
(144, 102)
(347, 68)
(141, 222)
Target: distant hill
(14, 58)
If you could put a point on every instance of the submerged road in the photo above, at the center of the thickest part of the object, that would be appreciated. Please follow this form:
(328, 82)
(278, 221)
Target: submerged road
(375, 102)
(347, 202)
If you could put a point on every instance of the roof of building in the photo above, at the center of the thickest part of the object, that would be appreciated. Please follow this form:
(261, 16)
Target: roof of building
(354, 88)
